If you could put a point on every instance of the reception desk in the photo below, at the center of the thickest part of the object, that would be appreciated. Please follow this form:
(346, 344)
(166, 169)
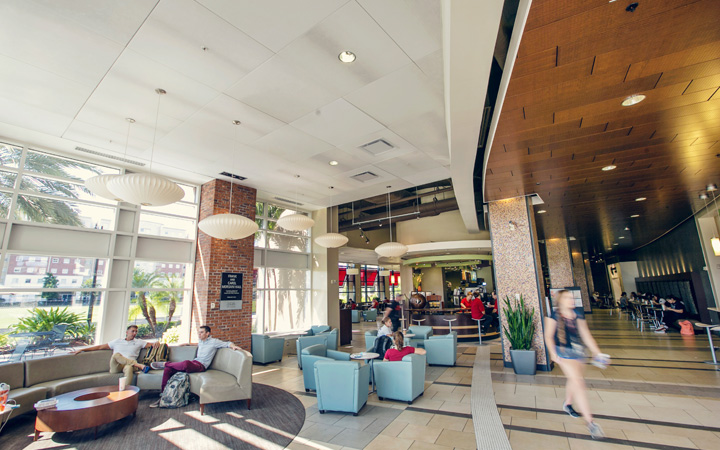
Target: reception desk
(464, 325)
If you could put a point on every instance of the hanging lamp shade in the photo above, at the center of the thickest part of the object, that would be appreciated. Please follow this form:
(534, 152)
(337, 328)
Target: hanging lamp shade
(295, 222)
(331, 240)
(146, 189)
(228, 226)
(391, 249)
(98, 186)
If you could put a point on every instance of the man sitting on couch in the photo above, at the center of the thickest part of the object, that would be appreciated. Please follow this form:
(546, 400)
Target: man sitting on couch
(125, 353)
(207, 347)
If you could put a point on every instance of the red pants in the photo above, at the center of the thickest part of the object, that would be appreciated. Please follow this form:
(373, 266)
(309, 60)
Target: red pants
(182, 366)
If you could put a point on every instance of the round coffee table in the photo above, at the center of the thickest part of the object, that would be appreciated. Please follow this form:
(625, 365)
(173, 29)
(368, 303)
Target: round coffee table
(87, 408)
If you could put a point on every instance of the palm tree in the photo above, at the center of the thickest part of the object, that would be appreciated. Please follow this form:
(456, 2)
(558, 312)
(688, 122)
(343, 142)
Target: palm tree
(38, 209)
(172, 297)
(142, 280)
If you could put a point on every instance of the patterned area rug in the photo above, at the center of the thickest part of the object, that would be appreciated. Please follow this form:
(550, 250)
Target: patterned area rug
(272, 423)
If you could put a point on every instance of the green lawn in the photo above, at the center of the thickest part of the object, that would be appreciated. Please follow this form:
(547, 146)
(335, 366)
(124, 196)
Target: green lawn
(9, 315)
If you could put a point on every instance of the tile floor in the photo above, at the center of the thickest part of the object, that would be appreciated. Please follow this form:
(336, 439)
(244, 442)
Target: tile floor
(657, 394)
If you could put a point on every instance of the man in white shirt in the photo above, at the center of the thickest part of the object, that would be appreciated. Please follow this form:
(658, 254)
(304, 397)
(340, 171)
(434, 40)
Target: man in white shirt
(207, 347)
(125, 353)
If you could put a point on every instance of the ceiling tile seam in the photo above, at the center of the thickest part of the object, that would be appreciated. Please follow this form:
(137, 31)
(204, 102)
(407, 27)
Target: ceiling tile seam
(390, 37)
(109, 69)
(232, 25)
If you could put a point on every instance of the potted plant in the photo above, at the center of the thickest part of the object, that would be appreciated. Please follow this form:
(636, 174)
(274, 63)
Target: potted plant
(520, 331)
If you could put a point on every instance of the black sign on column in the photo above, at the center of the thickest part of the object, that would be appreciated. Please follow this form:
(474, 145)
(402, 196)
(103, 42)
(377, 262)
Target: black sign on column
(231, 285)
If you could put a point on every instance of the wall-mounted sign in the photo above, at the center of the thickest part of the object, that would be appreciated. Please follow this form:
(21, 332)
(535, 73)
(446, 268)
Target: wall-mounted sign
(231, 285)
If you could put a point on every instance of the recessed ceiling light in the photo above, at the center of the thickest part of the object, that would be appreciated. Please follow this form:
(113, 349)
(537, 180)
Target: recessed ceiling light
(333, 163)
(627, 229)
(711, 187)
(615, 243)
(346, 56)
(633, 100)
(542, 211)
(703, 196)
(621, 237)
(610, 167)
(635, 215)
(640, 199)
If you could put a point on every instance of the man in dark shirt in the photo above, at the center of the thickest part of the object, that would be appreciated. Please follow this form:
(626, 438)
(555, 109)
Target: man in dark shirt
(674, 310)
(392, 310)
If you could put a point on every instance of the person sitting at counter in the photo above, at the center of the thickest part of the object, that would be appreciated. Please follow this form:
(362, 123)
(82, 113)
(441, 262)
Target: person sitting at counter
(466, 302)
(477, 309)
(399, 350)
(375, 303)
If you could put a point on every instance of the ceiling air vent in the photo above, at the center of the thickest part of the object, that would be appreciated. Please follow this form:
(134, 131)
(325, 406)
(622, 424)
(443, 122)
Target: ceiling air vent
(280, 199)
(232, 175)
(107, 155)
(365, 176)
(378, 146)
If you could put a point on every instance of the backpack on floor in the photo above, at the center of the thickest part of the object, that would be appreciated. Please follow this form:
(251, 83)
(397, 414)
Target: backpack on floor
(686, 328)
(177, 391)
(156, 354)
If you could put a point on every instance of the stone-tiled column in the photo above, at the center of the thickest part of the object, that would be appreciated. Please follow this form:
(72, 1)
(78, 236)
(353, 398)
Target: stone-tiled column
(215, 256)
(559, 262)
(579, 275)
(517, 266)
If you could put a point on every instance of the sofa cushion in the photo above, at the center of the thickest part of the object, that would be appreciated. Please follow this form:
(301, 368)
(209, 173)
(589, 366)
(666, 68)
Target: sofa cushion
(66, 366)
(26, 398)
(216, 386)
(177, 353)
(63, 385)
(13, 374)
(150, 380)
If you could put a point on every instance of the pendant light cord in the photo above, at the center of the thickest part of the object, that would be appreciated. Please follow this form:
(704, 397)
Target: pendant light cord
(389, 213)
(160, 93)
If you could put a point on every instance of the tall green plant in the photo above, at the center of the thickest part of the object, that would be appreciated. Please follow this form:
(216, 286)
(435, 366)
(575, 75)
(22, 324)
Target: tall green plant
(41, 319)
(520, 328)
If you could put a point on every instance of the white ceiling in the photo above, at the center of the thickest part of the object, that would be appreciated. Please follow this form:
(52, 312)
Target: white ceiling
(72, 71)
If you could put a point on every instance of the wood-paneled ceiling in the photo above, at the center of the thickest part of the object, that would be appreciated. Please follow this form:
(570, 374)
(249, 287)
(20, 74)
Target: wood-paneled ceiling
(562, 119)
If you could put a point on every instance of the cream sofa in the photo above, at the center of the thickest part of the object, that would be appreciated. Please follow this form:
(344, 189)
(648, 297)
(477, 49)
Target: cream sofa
(228, 378)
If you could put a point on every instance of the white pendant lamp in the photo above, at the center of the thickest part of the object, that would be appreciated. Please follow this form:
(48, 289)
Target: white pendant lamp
(295, 221)
(228, 226)
(98, 184)
(391, 249)
(147, 189)
(331, 240)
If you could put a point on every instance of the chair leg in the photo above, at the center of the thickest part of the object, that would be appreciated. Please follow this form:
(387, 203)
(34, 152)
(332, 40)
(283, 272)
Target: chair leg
(202, 409)
(248, 403)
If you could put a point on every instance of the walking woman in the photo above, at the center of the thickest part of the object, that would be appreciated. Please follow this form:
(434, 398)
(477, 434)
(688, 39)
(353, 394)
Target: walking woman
(565, 335)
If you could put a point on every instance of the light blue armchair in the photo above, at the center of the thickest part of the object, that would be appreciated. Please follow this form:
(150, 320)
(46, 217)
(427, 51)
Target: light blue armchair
(370, 337)
(370, 315)
(442, 350)
(307, 341)
(266, 349)
(400, 380)
(332, 338)
(422, 333)
(341, 386)
(317, 329)
(314, 353)
(355, 314)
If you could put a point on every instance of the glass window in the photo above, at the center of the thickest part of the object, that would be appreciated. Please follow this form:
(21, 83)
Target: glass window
(7, 179)
(80, 310)
(150, 274)
(178, 209)
(284, 278)
(46, 210)
(156, 312)
(175, 227)
(49, 186)
(10, 155)
(84, 271)
(286, 309)
(288, 243)
(60, 167)
(5, 200)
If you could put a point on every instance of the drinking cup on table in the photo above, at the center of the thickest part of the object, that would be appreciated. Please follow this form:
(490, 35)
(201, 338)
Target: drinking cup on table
(121, 384)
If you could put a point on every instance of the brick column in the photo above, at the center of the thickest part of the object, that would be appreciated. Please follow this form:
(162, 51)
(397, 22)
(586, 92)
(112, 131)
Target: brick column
(215, 256)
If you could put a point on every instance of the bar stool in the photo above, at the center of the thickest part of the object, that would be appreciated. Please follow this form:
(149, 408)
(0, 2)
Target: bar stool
(450, 321)
(710, 329)
(479, 321)
(402, 324)
(419, 321)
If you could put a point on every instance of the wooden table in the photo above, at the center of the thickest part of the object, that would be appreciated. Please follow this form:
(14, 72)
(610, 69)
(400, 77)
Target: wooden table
(88, 408)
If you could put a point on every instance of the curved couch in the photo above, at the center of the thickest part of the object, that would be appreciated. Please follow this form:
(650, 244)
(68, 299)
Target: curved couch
(228, 378)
